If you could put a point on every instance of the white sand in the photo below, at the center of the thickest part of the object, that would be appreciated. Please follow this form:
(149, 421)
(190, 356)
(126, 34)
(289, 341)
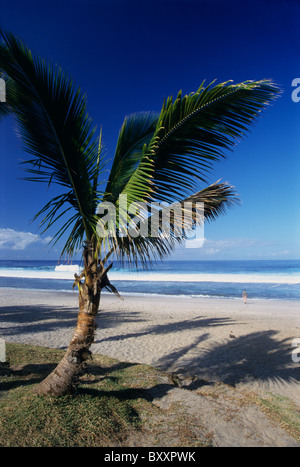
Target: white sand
(185, 335)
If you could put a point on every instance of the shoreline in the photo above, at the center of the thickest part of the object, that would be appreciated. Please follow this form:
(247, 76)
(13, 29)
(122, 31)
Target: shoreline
(233, 278)
(190, 337)
(154, 295)
(142, 276)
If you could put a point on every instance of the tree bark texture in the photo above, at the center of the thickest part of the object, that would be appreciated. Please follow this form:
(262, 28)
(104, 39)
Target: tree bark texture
(61, 380)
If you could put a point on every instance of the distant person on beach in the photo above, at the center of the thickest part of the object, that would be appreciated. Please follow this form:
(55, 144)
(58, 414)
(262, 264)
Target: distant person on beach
(244, 295)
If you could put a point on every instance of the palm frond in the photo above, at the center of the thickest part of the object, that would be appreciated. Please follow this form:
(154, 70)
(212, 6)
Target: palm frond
(153, 230)
(55, 129)
(192, 134)
(216, 198)
(196, 131)
(136, 131)
(160, 158)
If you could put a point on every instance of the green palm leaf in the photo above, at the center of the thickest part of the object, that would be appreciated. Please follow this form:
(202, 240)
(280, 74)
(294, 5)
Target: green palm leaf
(143, 249)
(192, 133)
(56, 130)
(136, 131)
(195, 131)
(162, 157)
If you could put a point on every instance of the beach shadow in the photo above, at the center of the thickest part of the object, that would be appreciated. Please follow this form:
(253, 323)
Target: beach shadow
(35, 318)
(157, 391)
(99, 373)
(108, 376)
(107, 320)
(27, 375)
(177, 326)
(33, 374)
(255, 356)
(42, 318)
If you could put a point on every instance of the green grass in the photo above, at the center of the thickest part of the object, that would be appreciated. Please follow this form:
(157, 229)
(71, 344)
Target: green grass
(283, 411)
(112, 406)
(101, 413)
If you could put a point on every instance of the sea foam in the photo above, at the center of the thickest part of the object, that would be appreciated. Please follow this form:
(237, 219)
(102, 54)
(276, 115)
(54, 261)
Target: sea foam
(66, 272)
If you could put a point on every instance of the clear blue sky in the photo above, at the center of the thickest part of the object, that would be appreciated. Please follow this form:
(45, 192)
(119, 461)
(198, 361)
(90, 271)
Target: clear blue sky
(127, 56)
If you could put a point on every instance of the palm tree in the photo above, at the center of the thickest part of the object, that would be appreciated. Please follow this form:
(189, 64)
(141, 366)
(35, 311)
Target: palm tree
(162, 157)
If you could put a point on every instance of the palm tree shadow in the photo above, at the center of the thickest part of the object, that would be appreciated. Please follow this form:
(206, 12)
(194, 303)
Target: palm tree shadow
(35, 318)
(255, 356)
(32, 319)
(161, 329)
(27, 375)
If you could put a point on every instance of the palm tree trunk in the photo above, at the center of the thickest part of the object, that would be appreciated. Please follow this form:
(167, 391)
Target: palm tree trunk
(61, 380)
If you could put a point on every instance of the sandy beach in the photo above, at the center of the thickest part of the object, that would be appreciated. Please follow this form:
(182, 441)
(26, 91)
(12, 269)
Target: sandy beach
(213, 339)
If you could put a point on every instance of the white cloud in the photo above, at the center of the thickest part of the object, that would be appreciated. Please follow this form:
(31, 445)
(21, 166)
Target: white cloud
(279, 253)
(14, 240)
(234, 248)
(214, 246)
(225, 248)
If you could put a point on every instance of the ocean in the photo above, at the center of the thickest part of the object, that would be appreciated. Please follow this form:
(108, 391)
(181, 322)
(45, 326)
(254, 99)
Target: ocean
(219, 279)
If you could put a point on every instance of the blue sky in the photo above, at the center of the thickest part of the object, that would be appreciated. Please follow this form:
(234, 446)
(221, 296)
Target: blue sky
(128, 56)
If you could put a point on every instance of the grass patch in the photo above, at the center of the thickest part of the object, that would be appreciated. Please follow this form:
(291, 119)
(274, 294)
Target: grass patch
(284, 412)
(112, 405)
(99, 414)
(116, 404)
